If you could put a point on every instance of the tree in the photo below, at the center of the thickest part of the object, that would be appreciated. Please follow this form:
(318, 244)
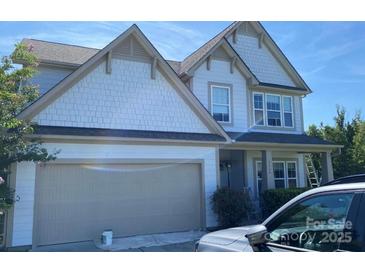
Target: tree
(359, 148)
(351, 135)
(16, 92)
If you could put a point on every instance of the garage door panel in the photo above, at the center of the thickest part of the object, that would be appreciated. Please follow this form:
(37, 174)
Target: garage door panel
(77, 202)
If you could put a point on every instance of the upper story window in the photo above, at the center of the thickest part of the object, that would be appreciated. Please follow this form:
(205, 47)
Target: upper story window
(272, 110)
(221, 103)
(258, 105)
(288, 111)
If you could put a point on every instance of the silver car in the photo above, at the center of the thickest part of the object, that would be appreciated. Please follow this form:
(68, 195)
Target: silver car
(328, 218)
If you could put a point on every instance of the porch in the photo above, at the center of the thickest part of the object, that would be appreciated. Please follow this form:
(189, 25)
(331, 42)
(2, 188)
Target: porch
(260, 161)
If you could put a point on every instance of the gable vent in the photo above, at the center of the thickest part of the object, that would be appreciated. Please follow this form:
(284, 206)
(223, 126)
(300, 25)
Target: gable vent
(123, 48)
(138, 50)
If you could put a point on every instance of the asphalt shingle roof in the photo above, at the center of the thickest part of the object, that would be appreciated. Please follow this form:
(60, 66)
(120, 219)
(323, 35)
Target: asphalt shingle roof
(52, 52)
(76, 55)
(189, 61)
(175, 65)
(59, 53)
(277, 138)
(127, 133)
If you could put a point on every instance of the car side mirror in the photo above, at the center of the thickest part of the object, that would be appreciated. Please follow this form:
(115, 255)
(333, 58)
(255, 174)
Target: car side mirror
(257, 236)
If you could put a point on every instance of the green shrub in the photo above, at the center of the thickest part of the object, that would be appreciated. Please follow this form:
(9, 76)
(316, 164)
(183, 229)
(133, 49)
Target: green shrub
(6, 196)
(230, 206)
(273, 199)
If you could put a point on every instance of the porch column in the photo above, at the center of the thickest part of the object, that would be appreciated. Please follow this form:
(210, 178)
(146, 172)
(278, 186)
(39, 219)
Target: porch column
(237, 170)
(267, 170)
(327, 169)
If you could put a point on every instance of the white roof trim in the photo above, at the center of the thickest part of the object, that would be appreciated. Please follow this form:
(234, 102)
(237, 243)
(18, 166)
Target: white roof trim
(62, 86)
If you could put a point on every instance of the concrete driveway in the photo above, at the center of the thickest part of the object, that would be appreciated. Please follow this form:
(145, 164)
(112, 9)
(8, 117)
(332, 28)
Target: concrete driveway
(90, 247)
(181, 247)
(165, 242)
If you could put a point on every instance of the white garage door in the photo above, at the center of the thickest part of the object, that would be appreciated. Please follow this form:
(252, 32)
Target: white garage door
(76, 202)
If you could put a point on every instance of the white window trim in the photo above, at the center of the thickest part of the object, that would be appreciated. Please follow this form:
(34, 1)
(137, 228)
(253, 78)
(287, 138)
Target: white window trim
(229, 103)
(296, 173)
(292, 110)
(286, 177)
(263, 108)
(280, 111)
(285, 173)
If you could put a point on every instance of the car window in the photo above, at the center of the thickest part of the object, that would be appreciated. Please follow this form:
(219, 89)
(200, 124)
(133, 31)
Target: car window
(317, 223)
(357, 231)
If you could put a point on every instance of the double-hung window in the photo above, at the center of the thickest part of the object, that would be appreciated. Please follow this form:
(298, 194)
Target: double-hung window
(291, 169)
(285, 174)
(221, 103)
(273, 109)
(279, 174)
(288, 111)
(258, 106)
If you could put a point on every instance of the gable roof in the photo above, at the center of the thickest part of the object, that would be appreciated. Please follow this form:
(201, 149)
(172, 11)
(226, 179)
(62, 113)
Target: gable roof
(61, 87)
(200, 53)
(282, 57)
(197, 55)
(74, 56)
(229, 49)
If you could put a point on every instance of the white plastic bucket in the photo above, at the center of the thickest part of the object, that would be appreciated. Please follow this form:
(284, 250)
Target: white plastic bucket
(107, 237)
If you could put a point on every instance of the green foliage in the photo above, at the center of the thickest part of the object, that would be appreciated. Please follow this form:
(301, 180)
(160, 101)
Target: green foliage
(273, 199)
(359, 148)
(15, 93)
(351, 135)
(6, 196)
(230, 206)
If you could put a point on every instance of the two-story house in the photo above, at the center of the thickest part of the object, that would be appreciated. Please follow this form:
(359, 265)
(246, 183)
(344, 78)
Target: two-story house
(144, 141)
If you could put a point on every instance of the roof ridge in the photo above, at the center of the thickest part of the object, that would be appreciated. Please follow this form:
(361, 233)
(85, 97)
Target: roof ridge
(230, 25)
(60, 43)
(169, 60)
(53, 93)
(189, 61)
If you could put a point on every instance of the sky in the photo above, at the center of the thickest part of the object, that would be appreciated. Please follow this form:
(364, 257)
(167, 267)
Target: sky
(330, 56)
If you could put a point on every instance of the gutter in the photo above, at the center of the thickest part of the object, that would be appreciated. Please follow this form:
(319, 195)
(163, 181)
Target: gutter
(316, 147)
(106, 139)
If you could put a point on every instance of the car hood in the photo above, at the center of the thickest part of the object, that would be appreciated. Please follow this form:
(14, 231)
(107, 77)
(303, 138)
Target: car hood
(227, 236)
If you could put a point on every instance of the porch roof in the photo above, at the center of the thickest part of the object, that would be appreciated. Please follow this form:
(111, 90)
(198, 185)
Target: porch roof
(279, 138)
